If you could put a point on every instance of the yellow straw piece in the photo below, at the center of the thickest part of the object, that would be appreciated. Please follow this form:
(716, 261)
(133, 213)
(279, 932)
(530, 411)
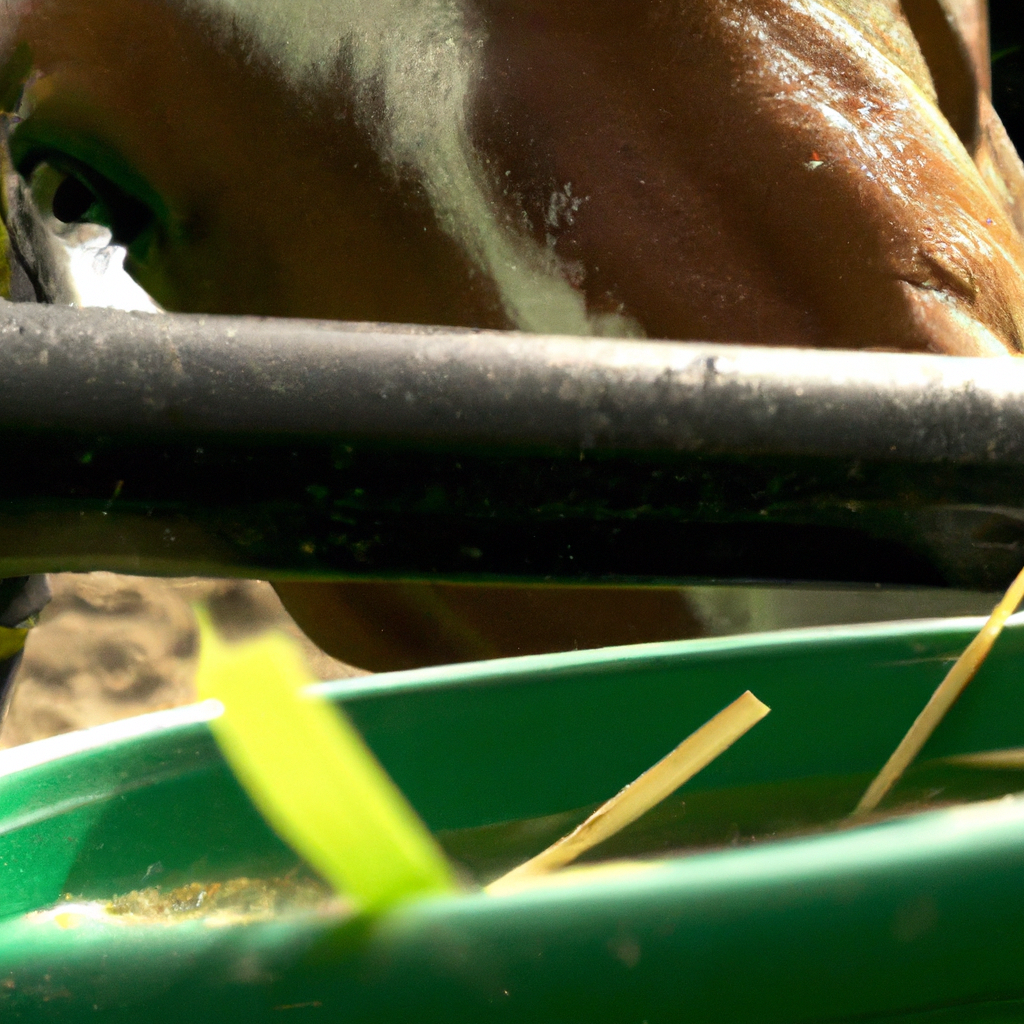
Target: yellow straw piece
(697, 751)
(1011, 758)
(311, 775)
(942, 699)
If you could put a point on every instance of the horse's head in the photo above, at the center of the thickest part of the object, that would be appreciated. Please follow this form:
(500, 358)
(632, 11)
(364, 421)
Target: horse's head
(746, 170)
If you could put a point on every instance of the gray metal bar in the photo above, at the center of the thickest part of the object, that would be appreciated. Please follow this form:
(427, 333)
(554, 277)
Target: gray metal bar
(82, 370)
(172, 443)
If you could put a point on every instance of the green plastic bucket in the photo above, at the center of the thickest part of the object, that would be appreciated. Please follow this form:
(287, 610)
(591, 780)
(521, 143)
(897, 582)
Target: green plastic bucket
(914, 918)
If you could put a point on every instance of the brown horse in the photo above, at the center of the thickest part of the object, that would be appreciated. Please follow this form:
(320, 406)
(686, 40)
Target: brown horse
(801, 172)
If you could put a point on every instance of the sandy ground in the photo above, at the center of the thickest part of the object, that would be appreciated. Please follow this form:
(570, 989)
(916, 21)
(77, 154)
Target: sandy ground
(110, 646)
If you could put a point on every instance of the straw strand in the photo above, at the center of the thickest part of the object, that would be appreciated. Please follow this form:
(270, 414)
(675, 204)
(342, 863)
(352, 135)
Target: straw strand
(661, 780)
(942, 699)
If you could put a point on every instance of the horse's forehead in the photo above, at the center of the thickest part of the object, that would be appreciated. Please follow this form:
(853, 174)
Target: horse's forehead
(301, 34)
(305, 37)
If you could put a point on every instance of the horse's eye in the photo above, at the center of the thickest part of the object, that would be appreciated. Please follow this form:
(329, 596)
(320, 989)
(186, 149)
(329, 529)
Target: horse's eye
(81, 180)
(85, 195)
(72, 201)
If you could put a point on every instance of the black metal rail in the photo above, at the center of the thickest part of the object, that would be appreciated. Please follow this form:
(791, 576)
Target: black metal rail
(235, 446)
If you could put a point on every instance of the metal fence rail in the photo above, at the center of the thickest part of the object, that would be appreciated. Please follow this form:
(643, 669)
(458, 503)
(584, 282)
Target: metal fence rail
(239, 446)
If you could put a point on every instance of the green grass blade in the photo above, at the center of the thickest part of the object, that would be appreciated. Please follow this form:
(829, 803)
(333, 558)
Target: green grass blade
(311, 775)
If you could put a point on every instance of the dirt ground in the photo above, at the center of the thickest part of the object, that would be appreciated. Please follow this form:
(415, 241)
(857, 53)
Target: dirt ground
(110, 646)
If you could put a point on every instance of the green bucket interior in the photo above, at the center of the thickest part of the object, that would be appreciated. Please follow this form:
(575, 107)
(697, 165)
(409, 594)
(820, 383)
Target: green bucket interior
(749, 904)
